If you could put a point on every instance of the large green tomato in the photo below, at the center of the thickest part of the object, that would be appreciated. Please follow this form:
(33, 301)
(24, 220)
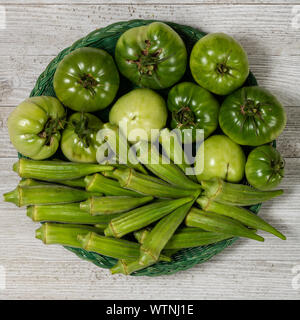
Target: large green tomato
(152, 56)
(252, 116)
(140, 110)
(219, 63)
(78, 142)
(86, 80)
(220, 157)
(193, 108)
(264, 168)
(34, 127)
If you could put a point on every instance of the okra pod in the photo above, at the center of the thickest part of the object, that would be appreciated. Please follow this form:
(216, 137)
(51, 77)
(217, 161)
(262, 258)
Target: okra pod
(115, 248)
(241, 214)
(214, 222)
(162, 233)
(63, 234)
(45, 194)
(130, 179)
(236, 194)
(143, 216)
(71, 183)
(112, 204)
(172, 147)
(118, 143)
(56, 170)
(162, 167)
(194, 237)
(65, 213)
(99, 183)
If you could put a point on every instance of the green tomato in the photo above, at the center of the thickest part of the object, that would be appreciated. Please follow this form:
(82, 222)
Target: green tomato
(193, 108)
(152, 56)
(34, 127)
(140, 110)
(264, 168)
(252, 116)
(78, 142)
(219, 63)
(220, 157)
(86, 80)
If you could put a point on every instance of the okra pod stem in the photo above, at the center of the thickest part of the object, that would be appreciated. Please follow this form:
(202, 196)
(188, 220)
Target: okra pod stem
(214, 222)
(65, 213)
(241, 214)
(118, 143)
(162, 233)
(130, 179)
(115, 248)
(45, 194)
(112, 204)
(56, 170)
(143, 216)
(173, 149)
(99, 183)
(63, 234)
(162, 167)
(194, 237)
(236, 194)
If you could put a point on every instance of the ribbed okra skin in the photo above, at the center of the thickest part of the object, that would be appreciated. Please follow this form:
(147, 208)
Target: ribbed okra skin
(173, 149)
(115, 248)
(143, 216)
(56, 170)
(118, 143)
(241, 214)
(71, 183)
(130, 179)
(194, 237)
(112, 204)
(66, 213)
(162, 167)
(161, 234)
(214, 222)
(107, 186)
(236, 194)
(45, 194)
(64, 234)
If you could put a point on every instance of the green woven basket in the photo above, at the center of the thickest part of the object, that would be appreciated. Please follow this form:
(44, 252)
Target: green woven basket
(106, 39)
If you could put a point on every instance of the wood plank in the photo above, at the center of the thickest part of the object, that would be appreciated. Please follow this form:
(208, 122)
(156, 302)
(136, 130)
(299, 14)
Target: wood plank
(288, 142)
(246, 270)
(45, 30)
(143, 2)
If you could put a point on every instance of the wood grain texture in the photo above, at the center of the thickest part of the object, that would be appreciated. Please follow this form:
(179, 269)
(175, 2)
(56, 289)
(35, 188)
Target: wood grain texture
(35, 32)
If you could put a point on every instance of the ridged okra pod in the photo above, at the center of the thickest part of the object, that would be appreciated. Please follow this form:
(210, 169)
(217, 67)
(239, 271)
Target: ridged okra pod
(243, 215)
(56, 170)
(71, 183)
(130, 179)
(46, 194)
(112, 204)
(236, 194)
(65, 213)
(214, 222)
(162, 167)
(172, 147)
(143, 216)
(119, 145)
(99, 183)
(63, 234)
(162, 233)
(115, 248)
(194, 237)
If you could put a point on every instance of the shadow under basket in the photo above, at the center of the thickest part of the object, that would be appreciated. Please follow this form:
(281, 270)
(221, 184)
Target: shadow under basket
(106, 38)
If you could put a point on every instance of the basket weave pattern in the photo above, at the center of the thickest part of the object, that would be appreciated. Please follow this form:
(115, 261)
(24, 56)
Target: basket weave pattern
(106, 38)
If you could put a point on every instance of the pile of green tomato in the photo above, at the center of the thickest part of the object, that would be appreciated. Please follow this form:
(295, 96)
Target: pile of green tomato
(169, 88)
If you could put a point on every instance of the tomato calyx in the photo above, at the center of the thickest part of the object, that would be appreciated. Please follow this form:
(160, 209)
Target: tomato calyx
(51, 127)
(82, 130)
(88, 82)
(250, 108)
(184, 116)
(222, 69)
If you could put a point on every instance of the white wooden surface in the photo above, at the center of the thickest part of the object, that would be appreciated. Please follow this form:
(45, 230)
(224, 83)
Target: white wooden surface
(34, 31)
